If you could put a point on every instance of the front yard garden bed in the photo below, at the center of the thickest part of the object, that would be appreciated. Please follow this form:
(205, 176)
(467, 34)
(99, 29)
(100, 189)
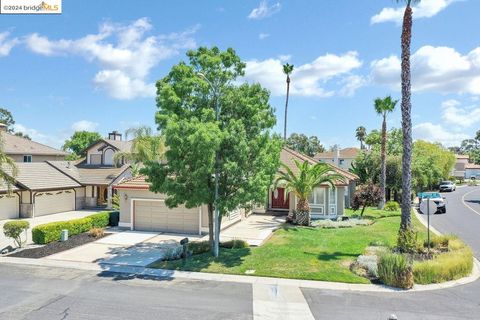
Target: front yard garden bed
(55, 247)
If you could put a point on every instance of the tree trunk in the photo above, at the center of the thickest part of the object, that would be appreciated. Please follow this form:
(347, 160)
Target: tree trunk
(383, 173)
(406, 119)
(210, 226)
(303, 213)
(286, 109)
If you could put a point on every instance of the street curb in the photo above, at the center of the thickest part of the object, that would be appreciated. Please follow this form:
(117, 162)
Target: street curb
(172, 274)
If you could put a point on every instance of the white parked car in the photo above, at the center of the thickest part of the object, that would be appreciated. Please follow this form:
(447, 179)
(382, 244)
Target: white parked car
(447, 186)
(436, 198)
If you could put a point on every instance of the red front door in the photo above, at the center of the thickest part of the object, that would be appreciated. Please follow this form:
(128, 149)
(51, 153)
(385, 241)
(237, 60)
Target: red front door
(278, 199)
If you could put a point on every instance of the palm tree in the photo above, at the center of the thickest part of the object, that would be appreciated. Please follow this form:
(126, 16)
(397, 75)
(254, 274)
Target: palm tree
(383, 107)
(360, 134)
(146, 147)
(406, 39)
(303, 183)
(287, 69)
(8, 169)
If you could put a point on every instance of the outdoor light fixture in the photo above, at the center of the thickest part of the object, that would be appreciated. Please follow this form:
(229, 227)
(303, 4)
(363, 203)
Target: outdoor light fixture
(125, 196)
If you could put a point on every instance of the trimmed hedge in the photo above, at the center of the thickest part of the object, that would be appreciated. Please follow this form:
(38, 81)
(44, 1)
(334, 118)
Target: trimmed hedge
(49, 232)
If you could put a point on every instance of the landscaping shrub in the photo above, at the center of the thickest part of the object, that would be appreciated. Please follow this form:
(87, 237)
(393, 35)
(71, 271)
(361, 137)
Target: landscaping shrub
(395, 270)
(199, 247)
(172, 253)
(96, 232)
(14, 230)
(46, 233)
(100, 220)
(451, 265)
(234, 244)
(392, 206)
(369, 263)
(407, 241)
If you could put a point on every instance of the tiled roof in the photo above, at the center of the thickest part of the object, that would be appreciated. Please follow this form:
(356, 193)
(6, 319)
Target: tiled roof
(4, 187)
(41, 176)
(349, 153)
(123, 146)
(134, 183)
(88, 174)
(472, 166)
(17, 145)
(287, 156)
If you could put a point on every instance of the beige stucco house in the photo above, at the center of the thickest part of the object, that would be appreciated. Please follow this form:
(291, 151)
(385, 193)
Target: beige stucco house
(142, 209)
(49, 184)
(341, 158)
(325, 202)
(24, 150)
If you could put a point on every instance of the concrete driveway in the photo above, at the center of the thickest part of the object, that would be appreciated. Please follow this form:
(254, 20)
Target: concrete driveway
(139, 249)
(129, 248)
(63, 216)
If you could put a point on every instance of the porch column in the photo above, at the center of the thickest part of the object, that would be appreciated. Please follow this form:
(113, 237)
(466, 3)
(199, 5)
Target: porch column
(109, 197)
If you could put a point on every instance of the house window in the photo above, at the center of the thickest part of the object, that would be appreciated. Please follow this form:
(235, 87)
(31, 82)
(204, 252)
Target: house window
(341, 161)
(332, 201)
(317, 201)
(27, 158)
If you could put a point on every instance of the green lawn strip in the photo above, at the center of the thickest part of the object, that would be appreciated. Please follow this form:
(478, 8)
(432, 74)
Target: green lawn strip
(302, 252)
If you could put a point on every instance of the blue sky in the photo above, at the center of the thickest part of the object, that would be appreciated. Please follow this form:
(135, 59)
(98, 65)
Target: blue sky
(93, 67)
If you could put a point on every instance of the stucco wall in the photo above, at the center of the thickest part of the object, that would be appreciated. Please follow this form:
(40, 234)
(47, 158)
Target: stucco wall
(36, 158)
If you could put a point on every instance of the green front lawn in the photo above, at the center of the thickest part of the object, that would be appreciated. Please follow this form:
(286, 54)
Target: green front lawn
(302, 252)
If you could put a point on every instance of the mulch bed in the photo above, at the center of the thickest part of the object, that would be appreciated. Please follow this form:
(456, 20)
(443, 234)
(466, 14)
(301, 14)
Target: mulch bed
(55, 247)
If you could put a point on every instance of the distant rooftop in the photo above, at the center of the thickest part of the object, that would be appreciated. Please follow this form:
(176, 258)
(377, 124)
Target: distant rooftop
(18, 145)
(343, 153)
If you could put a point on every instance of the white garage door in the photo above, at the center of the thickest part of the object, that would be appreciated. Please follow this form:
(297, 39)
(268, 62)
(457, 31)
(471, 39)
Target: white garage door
(9, 207)
(156, 216)
(54, 202)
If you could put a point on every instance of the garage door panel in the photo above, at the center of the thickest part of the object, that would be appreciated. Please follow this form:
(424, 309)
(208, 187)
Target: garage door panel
(9, 207)
(156, 216)
(54, 202)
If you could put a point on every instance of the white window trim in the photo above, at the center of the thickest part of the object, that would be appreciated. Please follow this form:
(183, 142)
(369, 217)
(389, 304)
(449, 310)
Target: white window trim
(333, 205)
(319, 206)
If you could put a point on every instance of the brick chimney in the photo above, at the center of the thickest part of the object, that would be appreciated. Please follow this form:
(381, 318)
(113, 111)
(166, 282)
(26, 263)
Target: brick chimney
(115, 135)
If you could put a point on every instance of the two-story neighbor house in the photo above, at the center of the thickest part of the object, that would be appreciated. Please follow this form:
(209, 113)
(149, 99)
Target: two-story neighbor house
(51, 184)
(342, 158)
(24, 150)
(99, 171)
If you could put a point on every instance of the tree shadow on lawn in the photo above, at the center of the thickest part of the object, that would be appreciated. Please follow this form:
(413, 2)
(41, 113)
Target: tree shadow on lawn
(228, 258)
(333, 256)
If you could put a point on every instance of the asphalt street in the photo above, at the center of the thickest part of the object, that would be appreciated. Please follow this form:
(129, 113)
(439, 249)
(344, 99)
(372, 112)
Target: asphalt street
(42, 293)
(50, 294)
(461, 302)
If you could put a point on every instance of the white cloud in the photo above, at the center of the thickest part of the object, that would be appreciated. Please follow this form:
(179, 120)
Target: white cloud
(454, 113)
(262, 36)
(7, 44)
(437, 69)
(264, 10)
(351, 85)
(308, 79)
(437, 133)
(125, 53)
(120, 86)
(425, 9)
(84, 125)
(50, 140)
